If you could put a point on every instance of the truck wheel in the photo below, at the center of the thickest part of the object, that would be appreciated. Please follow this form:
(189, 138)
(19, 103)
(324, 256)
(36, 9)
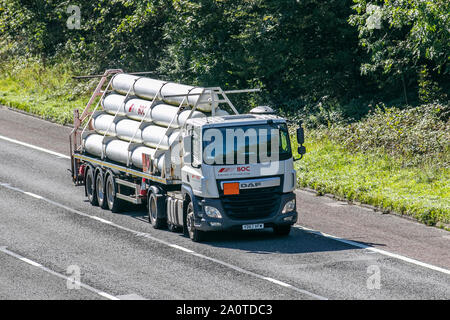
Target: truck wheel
(100, 189)
(282, 230)
(89, 186)
(153, 210)
(114, 203)
(194, 234)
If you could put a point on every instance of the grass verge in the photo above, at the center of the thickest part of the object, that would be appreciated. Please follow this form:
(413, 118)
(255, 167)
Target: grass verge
(422, 192)
(48, 92)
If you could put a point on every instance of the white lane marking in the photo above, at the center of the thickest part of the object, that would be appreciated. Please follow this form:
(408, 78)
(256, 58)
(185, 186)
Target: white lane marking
(59, 275)
(308, 293)
(281, 283)
(60, 155)
(107, 296)
(31, 262)
(175, 246)
(376, 250)
(181, 248)
(101, 220)
(33, 195)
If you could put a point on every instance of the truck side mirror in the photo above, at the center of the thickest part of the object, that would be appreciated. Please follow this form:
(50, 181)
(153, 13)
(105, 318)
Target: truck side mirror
(300, 140)
(301, 150)
(300, 135)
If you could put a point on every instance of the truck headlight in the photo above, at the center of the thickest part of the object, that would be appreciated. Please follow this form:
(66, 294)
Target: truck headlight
(212, 212)
(289, 206)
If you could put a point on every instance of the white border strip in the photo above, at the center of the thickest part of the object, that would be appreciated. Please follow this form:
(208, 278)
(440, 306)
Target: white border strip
(60, 155)
(383, 252)
(59, 275)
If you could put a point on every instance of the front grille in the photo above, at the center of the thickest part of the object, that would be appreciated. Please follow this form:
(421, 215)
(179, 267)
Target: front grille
(252, 203)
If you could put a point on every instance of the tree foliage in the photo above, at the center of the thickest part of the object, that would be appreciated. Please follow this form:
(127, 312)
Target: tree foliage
(410, 38)
(297, 50)
(305, 55)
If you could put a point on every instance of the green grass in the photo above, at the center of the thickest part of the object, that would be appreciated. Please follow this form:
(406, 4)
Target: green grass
(422, 192)
(49, 93)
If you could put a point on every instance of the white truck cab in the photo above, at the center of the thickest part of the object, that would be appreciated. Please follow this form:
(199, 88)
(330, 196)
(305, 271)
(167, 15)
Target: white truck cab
(246, 192)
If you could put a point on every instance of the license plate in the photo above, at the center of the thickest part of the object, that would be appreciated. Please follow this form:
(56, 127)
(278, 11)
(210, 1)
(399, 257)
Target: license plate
(253, 226)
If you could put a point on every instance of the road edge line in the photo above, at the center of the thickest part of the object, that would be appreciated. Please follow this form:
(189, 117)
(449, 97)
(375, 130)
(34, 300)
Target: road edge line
(380, 251)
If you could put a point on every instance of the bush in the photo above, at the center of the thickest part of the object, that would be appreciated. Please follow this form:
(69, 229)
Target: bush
(417, 135)
(421, 192)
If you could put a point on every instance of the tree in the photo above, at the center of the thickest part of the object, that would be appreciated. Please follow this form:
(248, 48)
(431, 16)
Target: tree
(409, 37)
(300, 52)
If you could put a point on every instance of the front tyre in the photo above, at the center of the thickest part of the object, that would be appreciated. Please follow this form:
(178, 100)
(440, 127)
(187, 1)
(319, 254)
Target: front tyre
(194, 234)
(154, 210)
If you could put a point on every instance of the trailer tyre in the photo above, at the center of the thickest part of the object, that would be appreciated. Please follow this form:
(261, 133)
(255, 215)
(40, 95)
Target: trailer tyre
(193, 233)
(100, 189)
(114, 203)
(89, 186)
(155, 210)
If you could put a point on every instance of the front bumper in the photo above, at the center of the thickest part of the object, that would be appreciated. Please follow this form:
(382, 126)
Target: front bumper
(206, 223)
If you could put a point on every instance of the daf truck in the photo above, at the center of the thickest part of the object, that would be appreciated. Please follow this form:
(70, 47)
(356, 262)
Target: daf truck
(214, 176)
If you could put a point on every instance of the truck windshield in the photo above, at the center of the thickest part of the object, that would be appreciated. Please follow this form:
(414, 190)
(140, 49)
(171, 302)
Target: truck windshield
(246, 144)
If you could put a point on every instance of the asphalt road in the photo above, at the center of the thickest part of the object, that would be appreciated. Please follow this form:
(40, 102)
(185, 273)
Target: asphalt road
(50, 234)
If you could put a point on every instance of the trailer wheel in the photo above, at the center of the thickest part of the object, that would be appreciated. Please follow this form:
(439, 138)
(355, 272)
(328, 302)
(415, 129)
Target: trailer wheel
(154, 210)
(194, 234)
(100, 189)
(89, 186)
(282, 230)
(114, 203)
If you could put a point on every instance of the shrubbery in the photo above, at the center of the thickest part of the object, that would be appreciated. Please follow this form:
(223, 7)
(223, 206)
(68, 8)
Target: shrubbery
(416, 135)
